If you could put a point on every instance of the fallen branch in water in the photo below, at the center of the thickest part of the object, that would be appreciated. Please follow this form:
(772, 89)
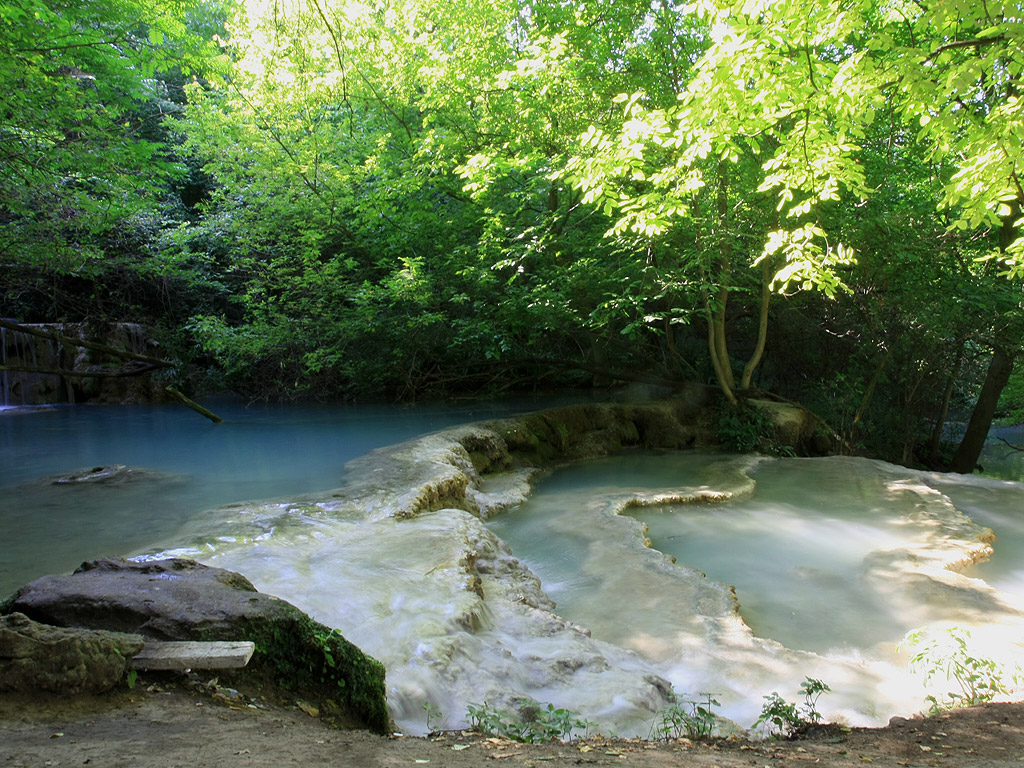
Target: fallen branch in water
(1011, 446)
(196, 406)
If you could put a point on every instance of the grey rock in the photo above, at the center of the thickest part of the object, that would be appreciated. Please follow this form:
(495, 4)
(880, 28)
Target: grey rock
(111, 474)
(167, 599)
(178, 599)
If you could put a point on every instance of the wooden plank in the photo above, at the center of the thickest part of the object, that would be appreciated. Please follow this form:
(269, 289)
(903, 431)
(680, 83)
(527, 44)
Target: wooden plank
(194, 655)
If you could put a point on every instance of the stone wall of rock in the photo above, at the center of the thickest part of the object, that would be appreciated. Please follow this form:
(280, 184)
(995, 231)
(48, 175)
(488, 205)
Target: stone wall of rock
(21, 350)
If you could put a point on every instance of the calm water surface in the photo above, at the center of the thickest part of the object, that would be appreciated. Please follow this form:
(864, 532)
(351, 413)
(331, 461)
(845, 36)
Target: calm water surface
(260, 452)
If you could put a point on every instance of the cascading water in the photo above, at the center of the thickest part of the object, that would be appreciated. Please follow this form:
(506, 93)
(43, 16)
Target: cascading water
(31, 387)
(559, 600)
(459, 616)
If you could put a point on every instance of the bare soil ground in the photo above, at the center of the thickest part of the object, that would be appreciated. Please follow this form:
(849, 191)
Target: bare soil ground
(169, 724)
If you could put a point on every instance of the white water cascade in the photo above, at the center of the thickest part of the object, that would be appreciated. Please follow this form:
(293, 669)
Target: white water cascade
(28, 354)
(560, 598)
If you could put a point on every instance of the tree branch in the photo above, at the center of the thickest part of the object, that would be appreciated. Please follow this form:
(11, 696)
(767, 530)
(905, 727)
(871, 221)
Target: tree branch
(60, 338)
(976, 42)
(120, 373)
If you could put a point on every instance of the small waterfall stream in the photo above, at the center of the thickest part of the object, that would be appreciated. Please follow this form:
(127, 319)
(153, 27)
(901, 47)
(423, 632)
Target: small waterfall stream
(21, 350)
(4, 379)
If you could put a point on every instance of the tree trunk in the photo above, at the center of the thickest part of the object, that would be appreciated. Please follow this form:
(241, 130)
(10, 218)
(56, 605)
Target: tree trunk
(762, 327)
(718, 344)
(865, 401)
(722, 374)
(999, 370)
(940, 423)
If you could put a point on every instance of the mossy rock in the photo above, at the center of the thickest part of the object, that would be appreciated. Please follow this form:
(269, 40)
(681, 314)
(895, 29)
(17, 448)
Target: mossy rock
(178, 599)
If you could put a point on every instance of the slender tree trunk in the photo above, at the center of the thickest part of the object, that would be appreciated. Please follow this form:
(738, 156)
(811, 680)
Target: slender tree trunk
(722, 373)
(720, 347)
(999, 370)
(762, 328)
(947, 396)
(865, 401)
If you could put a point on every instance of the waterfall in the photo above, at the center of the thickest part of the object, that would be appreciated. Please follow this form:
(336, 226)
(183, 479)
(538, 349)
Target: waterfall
(31, 353)
(4, 398)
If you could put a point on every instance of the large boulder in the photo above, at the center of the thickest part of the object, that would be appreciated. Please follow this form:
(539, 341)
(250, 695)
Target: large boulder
(36, 657)
(178, 599)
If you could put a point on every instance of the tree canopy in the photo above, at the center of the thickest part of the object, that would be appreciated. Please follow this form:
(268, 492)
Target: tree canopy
(410, 197)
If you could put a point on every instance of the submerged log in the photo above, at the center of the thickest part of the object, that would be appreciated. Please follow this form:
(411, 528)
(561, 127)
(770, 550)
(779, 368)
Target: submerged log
(196, 406)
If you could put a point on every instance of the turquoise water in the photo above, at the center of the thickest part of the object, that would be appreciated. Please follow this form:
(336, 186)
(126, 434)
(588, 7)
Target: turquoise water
(1001, 460)
(260, 452)
(797, 549)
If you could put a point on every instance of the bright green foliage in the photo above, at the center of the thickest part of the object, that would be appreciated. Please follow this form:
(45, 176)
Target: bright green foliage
(414, 197)
(687, 718)
(798, 102)
(390, 192)
(785, 719)
(797, 85)
(533, 723)
(948, 654)
(79, 118)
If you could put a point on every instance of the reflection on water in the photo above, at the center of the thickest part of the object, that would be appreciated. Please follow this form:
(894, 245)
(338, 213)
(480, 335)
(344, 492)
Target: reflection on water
(1000, 460)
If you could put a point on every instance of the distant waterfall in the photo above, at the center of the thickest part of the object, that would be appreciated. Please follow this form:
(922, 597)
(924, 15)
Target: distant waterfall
(51, 365)
(4, 396)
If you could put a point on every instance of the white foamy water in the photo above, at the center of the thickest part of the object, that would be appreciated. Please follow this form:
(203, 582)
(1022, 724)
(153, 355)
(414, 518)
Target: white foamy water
(560, 601)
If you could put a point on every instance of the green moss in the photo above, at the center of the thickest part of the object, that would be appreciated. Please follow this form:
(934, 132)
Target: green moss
(306, 657)
(529, 441)
(7, 604)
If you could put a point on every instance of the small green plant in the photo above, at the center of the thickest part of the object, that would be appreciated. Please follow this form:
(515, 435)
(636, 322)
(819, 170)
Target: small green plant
(745, 428)
(693, 719)
(132, 678)
(434, 716)
(948, 654)
(533, 723)
(778, 716)
(784, 719)
(812, 690)
(483, 718)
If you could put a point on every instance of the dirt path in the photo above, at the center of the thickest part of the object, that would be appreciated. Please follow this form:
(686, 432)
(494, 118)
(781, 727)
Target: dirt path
(173, 726)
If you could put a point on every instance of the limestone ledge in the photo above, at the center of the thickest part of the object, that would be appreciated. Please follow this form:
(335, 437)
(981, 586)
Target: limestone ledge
(456, 609)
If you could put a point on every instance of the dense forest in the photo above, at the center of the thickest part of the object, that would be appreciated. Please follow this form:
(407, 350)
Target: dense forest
(416, 198)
